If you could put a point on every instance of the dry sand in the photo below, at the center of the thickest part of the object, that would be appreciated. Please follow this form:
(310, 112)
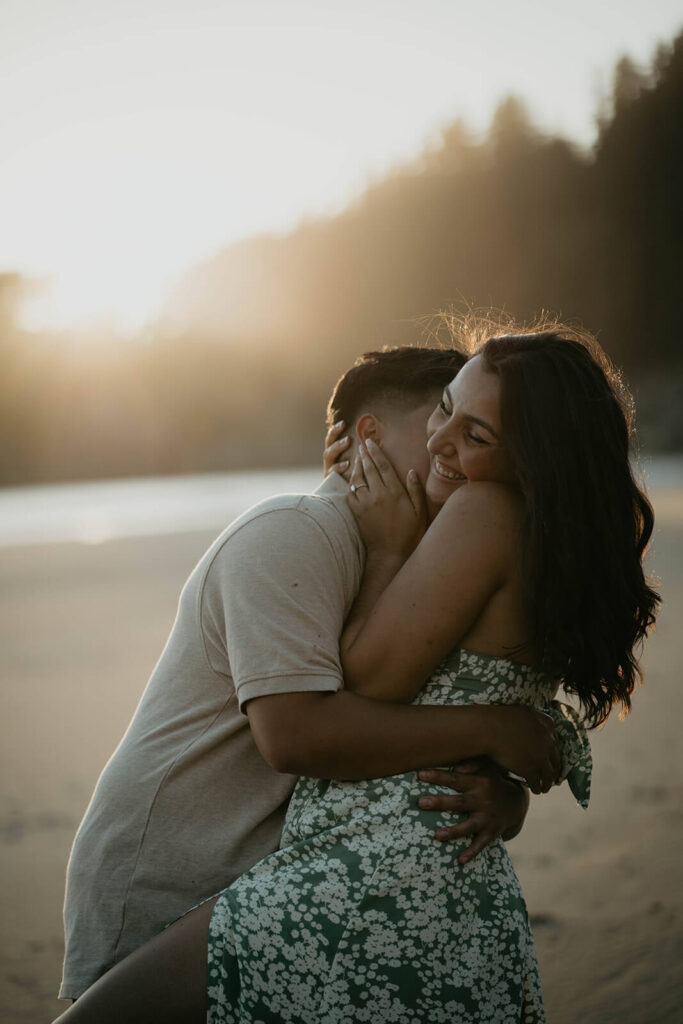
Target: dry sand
(81, 628)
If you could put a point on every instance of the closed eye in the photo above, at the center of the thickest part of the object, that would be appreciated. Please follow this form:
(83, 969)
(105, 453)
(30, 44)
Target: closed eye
(475, 438)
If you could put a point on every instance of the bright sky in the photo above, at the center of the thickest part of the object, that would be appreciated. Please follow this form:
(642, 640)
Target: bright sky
(139, 136)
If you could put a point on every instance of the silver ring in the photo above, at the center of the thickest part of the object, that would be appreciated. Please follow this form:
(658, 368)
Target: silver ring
(356, 487)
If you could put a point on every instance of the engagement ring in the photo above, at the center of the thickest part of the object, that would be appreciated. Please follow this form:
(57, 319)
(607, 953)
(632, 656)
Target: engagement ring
(355, 487)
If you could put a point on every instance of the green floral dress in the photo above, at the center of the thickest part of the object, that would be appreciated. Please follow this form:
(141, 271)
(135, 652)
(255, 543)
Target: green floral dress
(362, 916)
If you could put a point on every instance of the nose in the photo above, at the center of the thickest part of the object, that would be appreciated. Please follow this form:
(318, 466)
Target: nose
(439, 443)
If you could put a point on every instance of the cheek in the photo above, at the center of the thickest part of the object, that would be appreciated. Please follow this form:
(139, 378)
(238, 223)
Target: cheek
(432, 423)
(420, 461)
(481, 464)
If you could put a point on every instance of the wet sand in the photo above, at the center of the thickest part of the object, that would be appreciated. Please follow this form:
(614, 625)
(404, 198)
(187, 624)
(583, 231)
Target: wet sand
(80, 630)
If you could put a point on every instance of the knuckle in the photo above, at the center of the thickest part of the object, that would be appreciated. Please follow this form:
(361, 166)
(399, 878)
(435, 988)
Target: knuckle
(452, 833)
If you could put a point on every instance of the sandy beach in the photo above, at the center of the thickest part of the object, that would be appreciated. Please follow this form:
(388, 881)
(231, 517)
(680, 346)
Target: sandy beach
(81, 628)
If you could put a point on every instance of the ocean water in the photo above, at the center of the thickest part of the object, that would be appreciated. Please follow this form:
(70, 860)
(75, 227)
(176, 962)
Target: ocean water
(93, 513)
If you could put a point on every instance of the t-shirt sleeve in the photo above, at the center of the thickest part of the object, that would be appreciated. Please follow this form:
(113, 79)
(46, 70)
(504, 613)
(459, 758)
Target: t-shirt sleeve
(273, 606)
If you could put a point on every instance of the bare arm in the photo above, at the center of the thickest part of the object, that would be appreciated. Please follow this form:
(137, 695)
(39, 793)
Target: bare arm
(411, 612)
(286, 668)
(346, 736)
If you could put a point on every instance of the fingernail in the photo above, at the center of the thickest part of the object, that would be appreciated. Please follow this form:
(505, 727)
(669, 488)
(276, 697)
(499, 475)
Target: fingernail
(412, 475)
(339, 424)
(426, 775)
(441, 833)
(370, 443)
(426, 801)
(341, 466)
(343, 440)
(361, 448)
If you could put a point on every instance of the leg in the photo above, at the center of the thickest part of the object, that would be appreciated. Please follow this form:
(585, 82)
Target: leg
(164, 980)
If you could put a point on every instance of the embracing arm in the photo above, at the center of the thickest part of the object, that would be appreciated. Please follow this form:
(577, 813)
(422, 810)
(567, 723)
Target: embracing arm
(279, 615)
(412, 612)
(346, 736)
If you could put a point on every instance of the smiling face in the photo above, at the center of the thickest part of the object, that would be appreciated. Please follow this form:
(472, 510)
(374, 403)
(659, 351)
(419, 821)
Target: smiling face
(465, 435)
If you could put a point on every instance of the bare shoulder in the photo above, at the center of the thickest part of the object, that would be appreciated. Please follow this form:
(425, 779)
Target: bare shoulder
(478, 529)
(485, 503)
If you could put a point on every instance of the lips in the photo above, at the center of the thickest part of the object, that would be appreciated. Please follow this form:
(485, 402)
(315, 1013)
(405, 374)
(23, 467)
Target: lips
(446, 473)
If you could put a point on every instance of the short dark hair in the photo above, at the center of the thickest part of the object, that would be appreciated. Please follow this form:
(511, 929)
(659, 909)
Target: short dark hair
(401, 377)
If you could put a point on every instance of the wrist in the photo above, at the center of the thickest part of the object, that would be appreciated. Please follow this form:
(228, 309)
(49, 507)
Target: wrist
(383, 559)
(518, 807)
(488, 726)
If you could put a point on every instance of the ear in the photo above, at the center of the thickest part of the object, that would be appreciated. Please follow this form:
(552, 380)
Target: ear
(368, 425)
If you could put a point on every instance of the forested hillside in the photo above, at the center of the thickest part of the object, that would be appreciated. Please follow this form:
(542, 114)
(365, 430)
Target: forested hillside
(238, 368)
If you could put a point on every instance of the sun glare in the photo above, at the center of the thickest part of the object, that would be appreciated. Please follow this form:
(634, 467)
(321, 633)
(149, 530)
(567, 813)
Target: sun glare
(93, 294)
(123, 213)
(132, 156)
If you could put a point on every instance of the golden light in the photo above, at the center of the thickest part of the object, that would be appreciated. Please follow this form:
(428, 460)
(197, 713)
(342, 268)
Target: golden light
(138, 139)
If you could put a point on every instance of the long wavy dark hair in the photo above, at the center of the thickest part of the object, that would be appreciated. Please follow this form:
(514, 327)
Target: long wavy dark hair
(567, 424)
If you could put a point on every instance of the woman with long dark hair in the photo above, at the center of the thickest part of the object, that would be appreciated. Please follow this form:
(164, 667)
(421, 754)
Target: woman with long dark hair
(530, 574)
(561, 448)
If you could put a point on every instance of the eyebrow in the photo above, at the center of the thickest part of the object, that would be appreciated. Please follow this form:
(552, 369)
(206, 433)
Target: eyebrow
(470, 417)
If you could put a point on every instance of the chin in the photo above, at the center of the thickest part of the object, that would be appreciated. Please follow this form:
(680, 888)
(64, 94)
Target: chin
(435, 496)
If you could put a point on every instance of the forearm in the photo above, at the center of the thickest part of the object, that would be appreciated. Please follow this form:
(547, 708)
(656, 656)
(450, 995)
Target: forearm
(361, 659)
(379, 571)
(347, 736)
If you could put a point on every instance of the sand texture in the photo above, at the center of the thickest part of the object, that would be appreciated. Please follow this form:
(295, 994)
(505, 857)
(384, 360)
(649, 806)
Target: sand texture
(81, 628)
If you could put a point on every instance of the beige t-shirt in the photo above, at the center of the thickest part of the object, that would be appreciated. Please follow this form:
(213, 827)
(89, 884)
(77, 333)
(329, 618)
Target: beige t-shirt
(186, 803)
